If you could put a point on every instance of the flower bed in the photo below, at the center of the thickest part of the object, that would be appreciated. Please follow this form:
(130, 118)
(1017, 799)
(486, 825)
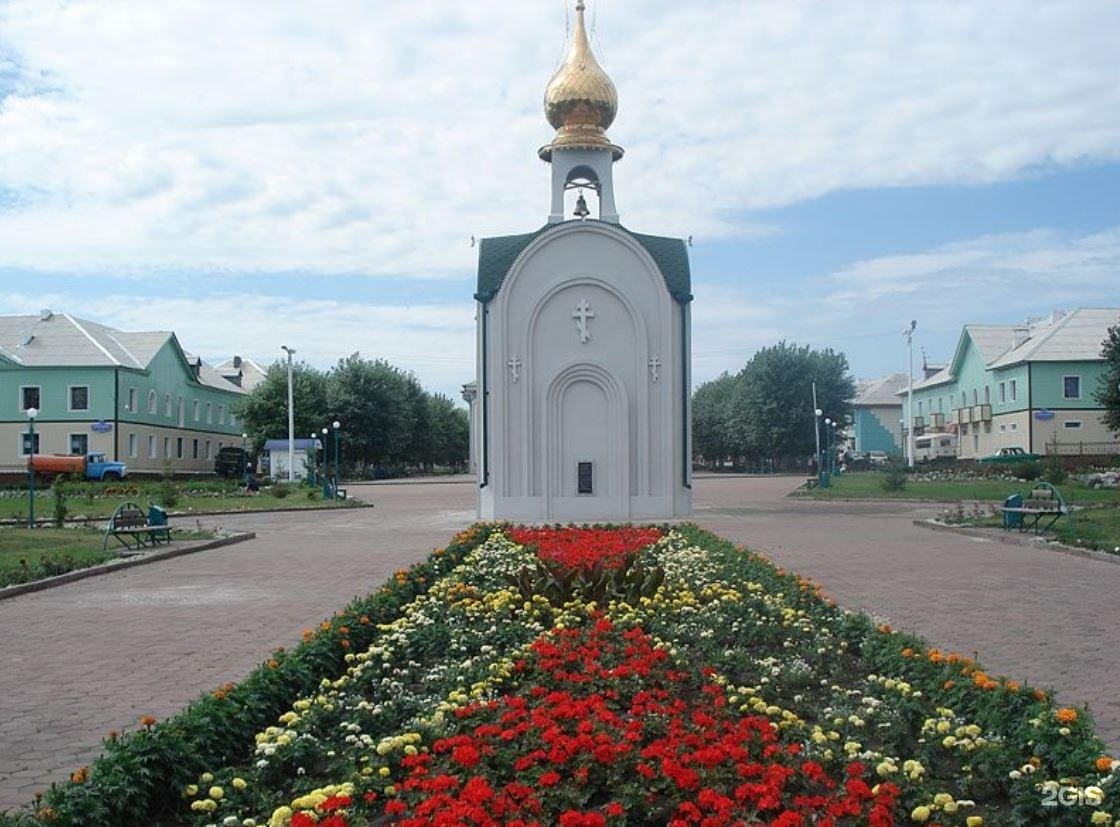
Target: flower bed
(595, 677)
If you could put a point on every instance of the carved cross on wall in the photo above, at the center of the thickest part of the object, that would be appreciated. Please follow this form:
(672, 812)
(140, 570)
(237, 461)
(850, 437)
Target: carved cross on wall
(583, 314)
(654, 368)
(514, 369)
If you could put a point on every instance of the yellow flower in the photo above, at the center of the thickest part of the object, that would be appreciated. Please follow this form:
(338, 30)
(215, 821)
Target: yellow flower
(216, 793)
(920, 814)
(974, 821)
(191, 790)
(239, 783)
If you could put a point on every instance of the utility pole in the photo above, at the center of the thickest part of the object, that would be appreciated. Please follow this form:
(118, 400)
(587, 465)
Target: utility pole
(909, 334)
(291, 418)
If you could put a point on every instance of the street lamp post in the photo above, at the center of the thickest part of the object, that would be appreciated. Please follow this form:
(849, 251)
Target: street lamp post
(326, 467)
(337, 427)
(313, 471)
(291, 418)
(909, 334)
(31, 414)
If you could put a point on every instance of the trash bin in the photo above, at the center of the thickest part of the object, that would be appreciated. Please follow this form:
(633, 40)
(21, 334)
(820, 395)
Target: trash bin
(1013, 519)
(824, 479)
(156, 515)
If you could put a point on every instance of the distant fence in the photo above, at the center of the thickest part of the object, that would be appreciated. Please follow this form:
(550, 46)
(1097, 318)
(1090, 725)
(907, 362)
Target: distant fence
(1084, 449)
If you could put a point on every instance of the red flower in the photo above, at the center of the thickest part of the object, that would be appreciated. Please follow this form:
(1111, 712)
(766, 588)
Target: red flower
(549, 779)
(302, 820)
(466, 756)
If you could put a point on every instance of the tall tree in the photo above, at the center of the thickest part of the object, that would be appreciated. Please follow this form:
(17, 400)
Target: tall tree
(711, 419)
(375, 402)
(264, 412)
(1108, 392)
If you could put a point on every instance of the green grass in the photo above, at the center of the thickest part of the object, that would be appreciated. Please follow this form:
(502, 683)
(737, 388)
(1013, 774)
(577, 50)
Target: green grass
(1096, 528)
(868, 485)
(32, 555)
(105, 502)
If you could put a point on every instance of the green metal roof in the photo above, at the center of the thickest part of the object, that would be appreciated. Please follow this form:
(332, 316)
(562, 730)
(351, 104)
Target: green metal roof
(496, 257)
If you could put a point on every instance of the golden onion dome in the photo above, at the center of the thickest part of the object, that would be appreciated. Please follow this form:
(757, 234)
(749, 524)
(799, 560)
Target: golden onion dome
(580, 101)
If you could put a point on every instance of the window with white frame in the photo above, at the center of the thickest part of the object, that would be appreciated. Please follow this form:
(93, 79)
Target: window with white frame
(152, 403)
(194, 449)
(30, 396)
(1014, 390)
(133, 445)
(167, 404)
(1002, 391)
(130, 406)
(209, 450)
(209, 413)
(975, 397)
(221, 414)
(152, 447)
(1071, 387)
(179, 448)
(28, 443)
(79, 444)
(987, 395)
(79, 397)
(194, 410)
(1072, 424)
(1003, 428)
(1014, 426)
(167, 447)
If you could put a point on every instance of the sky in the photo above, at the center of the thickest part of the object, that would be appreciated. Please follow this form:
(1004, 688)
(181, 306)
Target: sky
(251, 174)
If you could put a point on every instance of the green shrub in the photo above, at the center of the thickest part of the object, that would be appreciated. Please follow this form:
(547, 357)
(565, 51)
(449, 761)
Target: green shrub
(280, 490)
(894, 474)
(1054, 470)
(168, 492)
(1028, 471)
(58, 497)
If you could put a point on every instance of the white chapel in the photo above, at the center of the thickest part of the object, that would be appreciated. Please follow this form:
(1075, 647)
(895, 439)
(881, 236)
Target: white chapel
(581, 406)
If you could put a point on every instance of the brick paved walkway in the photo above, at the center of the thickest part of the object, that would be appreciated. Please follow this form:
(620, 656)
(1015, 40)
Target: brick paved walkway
(93, 656)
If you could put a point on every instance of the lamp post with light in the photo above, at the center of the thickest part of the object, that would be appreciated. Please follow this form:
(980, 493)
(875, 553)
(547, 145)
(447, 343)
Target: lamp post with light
(31, 414)
(313, 471)
(337, 426)
(326, 467)
(291, 418)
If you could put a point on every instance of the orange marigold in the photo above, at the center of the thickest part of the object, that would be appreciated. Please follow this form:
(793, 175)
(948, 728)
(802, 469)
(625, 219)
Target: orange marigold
(948, 684)
(885, 628)
(1104, 764)
(273, 663)
(907, 652)
(80, 776)
(1013, 686)
(1066, 715)
(147, 720)
(1040, 695)
(935, 656)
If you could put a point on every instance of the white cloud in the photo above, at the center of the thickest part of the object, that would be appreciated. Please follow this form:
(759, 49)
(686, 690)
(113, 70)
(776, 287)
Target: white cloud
(349, 137)
(861, 308)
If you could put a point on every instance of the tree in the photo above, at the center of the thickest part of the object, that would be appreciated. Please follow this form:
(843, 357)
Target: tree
(264, 412)
(376, 403)
(1108, 392)
(711, 418)
(766, 411)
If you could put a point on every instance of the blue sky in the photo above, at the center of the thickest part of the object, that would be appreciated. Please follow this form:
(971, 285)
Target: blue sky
(251, 175)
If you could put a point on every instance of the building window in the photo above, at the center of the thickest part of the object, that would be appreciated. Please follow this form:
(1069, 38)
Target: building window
(194, 450)
(133, 445)
(151, 402)
(194, 410)
(179, 448)
(221, 414)
(209, 450)
(79, 397)
(964, 399)
(987, 395)
(167, 447)
(29, 397)
(209, 413)
(182, 411)
(28, 443)
(1014, 426)
(964, 429)
(1003, 428)
(79, 444)
(151, 447)
(1002, 391)
(1014, 391)
(1071, 387)
(976, 443)
(1072, 423)
(232, 419)
(167, 404)
(131, 405)
(975, 397)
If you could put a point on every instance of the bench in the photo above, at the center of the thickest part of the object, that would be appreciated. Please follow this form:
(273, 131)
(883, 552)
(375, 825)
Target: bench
(812, 482)
(1043, 506)
(134, 529)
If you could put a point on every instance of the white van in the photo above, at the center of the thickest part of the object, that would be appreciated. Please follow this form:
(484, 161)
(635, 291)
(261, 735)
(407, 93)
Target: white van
(932, 446)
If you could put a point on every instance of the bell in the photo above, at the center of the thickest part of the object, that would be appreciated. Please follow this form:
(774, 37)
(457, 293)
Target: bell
(581, 207)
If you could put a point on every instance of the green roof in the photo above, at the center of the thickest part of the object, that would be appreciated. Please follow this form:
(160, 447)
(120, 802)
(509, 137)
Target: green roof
(496, 257)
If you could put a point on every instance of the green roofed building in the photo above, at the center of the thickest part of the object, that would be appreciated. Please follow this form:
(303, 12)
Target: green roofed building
(1030, 386)
(136, 396)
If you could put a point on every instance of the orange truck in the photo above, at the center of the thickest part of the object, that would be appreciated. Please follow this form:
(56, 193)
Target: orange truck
(92, 466)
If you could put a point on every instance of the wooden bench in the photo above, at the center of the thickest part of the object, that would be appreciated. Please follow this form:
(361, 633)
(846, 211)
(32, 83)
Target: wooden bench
(812, 482)
(1043, 506)
(135, 529)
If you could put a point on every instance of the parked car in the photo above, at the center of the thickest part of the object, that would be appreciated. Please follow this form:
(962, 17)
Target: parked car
(935, 446)
(1010, 455)
(877, 458)
(231, 462)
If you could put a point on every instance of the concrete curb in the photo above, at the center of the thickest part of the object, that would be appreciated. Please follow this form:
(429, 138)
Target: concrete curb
(1022, 540)
(179, 514)
(117, 565)
(417, 481)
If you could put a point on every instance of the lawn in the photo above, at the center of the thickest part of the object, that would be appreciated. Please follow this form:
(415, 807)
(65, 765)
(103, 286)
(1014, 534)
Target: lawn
(868, 485)
(100, 501)
(32, 555)
(1096, 528)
